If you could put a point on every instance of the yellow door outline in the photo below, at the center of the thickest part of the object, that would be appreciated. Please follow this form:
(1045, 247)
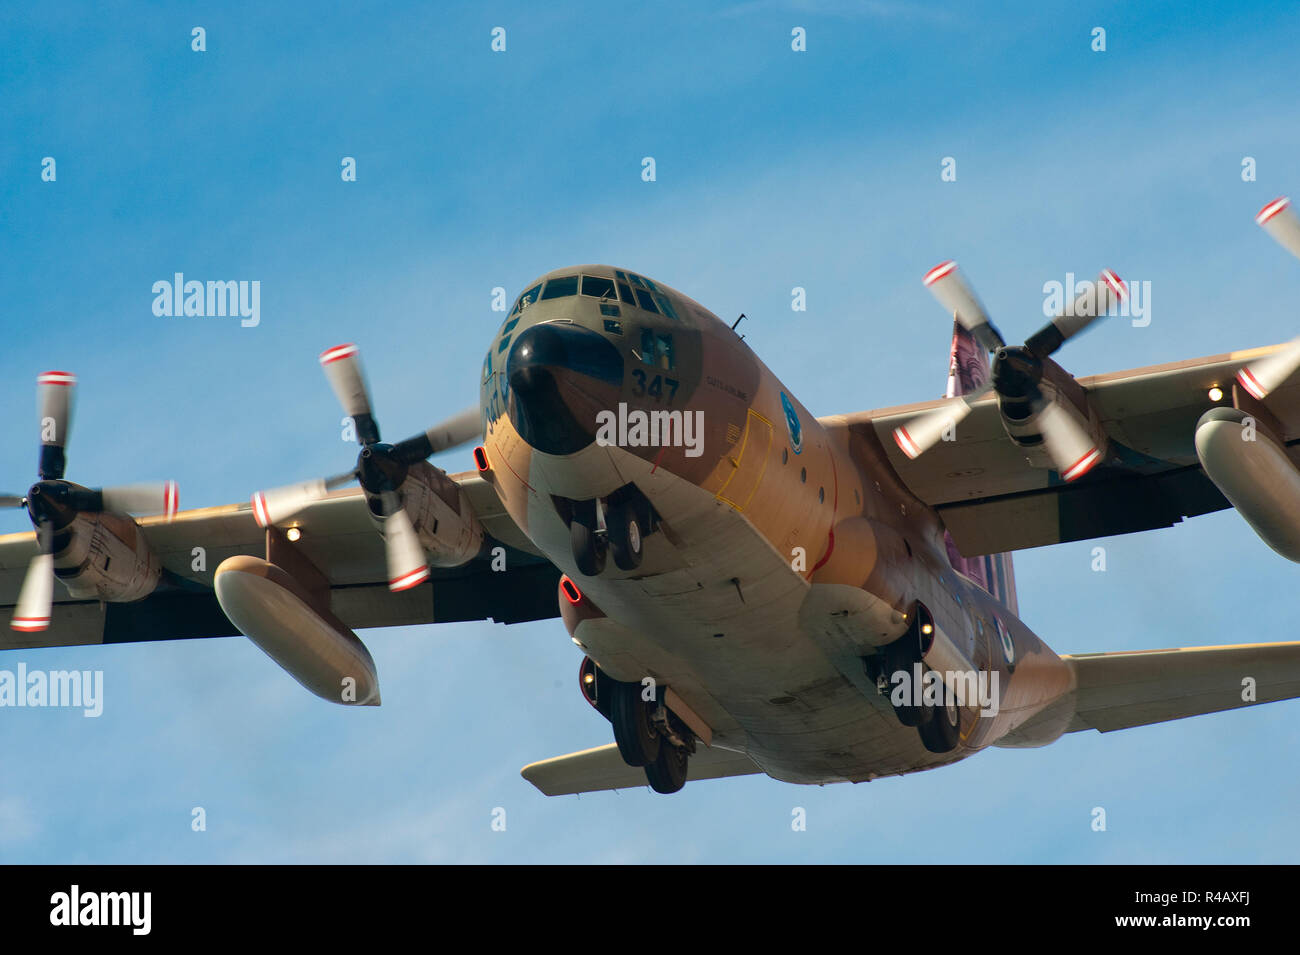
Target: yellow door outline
(749, 464)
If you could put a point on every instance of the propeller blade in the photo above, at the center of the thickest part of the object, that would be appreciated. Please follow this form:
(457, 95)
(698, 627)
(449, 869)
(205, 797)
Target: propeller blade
(342, 365)
(1069, 446)
(281, 503)
(461, 428)
(1266, 375)
(54, 394)
(12, 500)
(1091, 304)
(162, 497)
(36, 597)
(406, 562)
(1279, 220)
(950, 288)
(925, 431)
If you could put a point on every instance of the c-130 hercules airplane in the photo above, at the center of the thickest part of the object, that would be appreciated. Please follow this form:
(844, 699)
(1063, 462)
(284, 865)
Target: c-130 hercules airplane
(755, 589)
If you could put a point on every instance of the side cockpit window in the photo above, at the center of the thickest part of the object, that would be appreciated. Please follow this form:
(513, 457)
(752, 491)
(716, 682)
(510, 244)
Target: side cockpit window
(657, 349)
(528, 298)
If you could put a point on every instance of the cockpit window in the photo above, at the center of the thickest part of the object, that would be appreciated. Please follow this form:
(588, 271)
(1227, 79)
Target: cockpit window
(666, 306)
(558, 288)
(636, 280)
(657, 349)
(644, 300)
(597, 287)
(625, 293)
(528, 298)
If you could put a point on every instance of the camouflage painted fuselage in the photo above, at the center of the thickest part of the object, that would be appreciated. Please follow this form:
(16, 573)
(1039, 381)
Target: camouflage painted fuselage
(786, 550)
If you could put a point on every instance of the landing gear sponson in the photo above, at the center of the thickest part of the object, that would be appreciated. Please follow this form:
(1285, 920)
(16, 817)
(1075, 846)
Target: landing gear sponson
(939, 726)
(647, 732)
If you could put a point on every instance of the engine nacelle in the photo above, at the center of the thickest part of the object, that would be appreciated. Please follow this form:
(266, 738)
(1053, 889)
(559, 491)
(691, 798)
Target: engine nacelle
(104, 556)
(1250, 467)
(1022, 421)
(312, 645)
(440, 510)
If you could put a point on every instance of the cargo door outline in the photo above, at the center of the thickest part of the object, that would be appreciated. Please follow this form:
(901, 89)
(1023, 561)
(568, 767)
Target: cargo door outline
(749, 463)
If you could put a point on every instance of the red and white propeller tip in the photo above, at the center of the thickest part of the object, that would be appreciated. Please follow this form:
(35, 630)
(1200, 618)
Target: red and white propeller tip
(406, 563)
(163, 497)
(36, 596)
(958, 299)
(1260, 378)
(342, 367)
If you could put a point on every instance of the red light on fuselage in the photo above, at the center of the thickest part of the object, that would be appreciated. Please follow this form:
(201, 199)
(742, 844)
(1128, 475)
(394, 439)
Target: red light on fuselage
(571, 591)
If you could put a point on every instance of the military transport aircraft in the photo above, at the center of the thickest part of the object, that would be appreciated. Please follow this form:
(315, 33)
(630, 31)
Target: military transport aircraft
(754, 589)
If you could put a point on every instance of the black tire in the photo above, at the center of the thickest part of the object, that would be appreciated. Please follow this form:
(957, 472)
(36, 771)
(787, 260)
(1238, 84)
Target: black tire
(667, 774)
(626, 535)
(942, 732)
(638, 741)
(588, 548)
(900, 656)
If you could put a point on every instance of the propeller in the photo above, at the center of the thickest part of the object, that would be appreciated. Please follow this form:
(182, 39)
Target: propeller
(380, 470)
(1279, 220)
(1017, 371)
(53, 503)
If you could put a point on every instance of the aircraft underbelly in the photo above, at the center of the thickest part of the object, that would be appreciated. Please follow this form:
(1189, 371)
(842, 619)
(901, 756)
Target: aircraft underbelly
(714, 613)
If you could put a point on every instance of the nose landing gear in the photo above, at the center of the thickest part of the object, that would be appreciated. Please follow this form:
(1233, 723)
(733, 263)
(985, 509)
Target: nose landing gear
(617, 525)
(586, 540)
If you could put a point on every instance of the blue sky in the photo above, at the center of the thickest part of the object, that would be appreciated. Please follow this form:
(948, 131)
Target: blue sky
(477, 169)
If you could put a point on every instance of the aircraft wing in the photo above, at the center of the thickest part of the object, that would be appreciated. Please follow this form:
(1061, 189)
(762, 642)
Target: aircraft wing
(991, 500)
(337, 537)
(603, 768)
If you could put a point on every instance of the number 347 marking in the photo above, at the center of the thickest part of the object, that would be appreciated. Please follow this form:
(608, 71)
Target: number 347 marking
(655, 389)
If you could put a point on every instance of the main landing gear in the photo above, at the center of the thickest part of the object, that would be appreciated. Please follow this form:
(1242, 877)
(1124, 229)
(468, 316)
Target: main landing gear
(648, 734)
(937, 722)
(615, 526)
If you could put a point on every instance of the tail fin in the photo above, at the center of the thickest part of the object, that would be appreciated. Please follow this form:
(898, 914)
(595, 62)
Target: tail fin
(968, 369)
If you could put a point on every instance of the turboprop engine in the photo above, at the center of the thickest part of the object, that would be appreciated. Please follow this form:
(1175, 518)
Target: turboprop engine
(1043, 410)
(425, 518)
(84, 536)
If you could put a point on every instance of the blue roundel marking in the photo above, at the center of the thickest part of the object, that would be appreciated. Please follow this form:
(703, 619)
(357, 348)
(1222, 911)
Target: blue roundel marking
(1008, 645)
(792, 424)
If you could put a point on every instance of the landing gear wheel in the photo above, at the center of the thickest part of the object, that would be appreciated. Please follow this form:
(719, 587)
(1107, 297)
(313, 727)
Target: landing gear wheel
(667, 774)
(625, 535)
(638, 741)
(588, 546)
(900, 657)
(942, 732)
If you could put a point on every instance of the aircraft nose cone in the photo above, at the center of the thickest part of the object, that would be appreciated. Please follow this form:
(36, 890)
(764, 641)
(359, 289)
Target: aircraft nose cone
(561, 375)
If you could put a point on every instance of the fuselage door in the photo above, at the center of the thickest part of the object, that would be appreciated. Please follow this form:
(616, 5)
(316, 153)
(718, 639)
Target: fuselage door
(748, 460)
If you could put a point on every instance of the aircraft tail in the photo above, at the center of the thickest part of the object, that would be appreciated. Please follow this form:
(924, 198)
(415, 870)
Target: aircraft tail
(968, 369)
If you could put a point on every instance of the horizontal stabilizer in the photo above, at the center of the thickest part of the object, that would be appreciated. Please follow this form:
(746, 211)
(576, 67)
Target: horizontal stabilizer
(603, 768)
(1118, 690)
